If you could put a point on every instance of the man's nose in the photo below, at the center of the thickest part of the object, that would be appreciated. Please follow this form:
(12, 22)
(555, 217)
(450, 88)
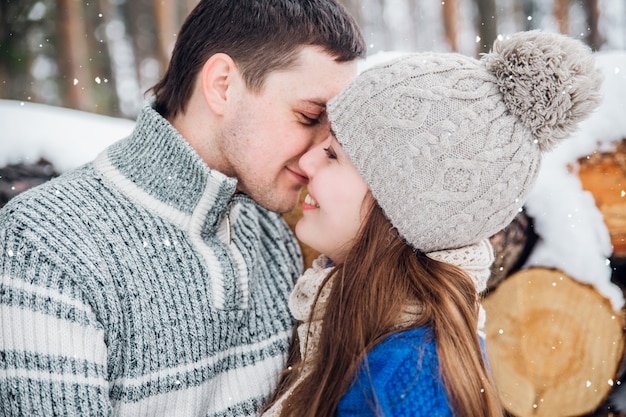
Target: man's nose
(306, 163)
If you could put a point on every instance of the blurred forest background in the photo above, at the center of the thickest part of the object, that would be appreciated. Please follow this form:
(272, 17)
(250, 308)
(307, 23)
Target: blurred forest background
(102, 55)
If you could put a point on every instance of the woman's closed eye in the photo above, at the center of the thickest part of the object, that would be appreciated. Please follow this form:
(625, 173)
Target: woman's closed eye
(330, 153)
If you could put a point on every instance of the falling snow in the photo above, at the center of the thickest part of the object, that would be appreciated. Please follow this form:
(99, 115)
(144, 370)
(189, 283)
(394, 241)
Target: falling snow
(573, 235)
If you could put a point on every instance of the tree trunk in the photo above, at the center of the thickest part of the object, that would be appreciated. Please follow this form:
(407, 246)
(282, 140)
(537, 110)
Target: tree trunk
(167, 26)
(561, 14)
(450, 23)
(188, 7)
(553, 344)
(487, 24)
(102, 87)
(529, 9)
(141, 28)
(4, 52)
(594, 40)
(73, 58)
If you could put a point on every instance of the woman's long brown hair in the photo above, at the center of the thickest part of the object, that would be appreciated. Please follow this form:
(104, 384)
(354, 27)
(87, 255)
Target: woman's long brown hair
(370, 291)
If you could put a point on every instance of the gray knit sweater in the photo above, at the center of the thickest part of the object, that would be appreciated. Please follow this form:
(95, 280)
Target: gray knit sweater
(142, 285)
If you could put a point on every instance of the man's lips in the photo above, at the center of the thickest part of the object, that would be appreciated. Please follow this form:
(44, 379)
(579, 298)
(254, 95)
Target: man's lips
(302, 179)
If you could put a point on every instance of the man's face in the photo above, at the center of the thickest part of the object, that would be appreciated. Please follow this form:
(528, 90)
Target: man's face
(267, 133)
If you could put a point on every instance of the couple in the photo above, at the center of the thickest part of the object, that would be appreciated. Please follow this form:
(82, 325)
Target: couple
(159, 280)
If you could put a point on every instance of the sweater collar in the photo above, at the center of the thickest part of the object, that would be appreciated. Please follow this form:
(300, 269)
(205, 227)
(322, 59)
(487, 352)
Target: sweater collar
(156, 164)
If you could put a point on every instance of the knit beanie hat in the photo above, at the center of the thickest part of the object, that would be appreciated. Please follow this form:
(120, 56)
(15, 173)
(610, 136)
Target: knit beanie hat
(450, 145)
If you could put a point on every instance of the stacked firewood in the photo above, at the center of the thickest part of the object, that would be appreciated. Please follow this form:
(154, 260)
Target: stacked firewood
(19, 177)
(555, 345)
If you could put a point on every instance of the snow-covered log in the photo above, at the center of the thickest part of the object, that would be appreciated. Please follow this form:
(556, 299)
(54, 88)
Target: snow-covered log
(603, 174)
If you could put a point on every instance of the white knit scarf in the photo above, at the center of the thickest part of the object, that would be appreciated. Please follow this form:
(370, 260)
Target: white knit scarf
(301, 303)
(476, 261)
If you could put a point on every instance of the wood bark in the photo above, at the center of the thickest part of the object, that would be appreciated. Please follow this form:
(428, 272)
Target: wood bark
(511, 247)
(553, 344)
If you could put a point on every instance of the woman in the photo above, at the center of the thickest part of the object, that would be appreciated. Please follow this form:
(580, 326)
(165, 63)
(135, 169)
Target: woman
(429, 155)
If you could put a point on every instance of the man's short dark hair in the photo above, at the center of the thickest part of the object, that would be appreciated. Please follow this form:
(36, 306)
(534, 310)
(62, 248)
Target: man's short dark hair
(261, 36)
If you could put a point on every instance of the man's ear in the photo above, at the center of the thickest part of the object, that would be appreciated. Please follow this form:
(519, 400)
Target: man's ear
(219, 75)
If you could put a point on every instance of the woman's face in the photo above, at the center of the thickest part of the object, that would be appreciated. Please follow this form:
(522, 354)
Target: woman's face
(334, 208)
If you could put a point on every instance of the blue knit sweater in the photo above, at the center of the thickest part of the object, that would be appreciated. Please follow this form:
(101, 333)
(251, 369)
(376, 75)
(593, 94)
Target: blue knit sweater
(400, 377)
(142, 285)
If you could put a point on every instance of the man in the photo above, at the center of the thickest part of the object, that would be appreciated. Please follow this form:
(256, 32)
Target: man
(154, 280)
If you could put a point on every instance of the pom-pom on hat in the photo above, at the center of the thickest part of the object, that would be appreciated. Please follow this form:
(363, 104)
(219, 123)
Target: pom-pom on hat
(449, 145)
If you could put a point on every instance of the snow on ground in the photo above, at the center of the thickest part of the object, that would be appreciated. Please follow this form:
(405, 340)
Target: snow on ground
(67, 138)
(573, 235)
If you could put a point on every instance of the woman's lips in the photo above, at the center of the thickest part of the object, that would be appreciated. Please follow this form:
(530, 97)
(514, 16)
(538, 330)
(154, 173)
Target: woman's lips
(309, 203)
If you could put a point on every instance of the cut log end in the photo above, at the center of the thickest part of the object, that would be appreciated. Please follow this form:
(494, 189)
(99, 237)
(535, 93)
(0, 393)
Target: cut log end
(553, 344)
(603, 174)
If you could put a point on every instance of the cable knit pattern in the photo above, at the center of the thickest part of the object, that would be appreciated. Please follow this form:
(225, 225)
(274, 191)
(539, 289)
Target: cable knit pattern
(462, 138)
(142, 285)
(474, 259)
